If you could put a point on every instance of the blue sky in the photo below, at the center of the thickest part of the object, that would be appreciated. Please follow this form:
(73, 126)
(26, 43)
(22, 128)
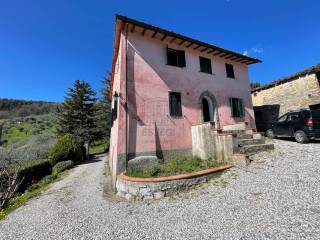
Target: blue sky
(47, 44)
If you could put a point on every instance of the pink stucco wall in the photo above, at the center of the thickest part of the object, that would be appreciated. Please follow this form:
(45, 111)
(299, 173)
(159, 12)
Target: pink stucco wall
(149, 80)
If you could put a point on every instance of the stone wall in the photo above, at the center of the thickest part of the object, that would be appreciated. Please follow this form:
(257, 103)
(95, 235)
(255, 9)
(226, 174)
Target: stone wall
(208, 143)
(291, 95)
(156, 188)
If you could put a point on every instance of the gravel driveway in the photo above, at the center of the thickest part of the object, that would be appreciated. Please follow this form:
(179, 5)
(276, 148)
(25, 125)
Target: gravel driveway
(276, 197)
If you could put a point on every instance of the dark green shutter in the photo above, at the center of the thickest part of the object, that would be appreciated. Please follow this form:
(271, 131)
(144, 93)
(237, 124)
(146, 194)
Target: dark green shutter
(115, 110)
(242, 112)
(175, 104)
(231, 107)
(181, 58)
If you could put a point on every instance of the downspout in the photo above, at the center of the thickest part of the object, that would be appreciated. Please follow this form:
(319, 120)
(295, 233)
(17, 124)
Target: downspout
(126, 106)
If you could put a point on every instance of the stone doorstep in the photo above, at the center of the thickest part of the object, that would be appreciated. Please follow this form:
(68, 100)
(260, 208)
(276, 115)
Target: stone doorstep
(245, 142)
(244, 136)
(256, 148)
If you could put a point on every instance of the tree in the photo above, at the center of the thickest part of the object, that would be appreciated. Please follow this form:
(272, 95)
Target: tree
(104, 109)
(10, 179)
(254, 85)
(78, 113)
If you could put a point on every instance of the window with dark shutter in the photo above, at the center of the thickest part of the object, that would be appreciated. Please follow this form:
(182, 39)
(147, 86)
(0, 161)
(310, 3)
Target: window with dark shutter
(229, 70)
(175, 104)
(176, 58)
(115, 111)
(205, 65)
(237, 108)
(111, 116)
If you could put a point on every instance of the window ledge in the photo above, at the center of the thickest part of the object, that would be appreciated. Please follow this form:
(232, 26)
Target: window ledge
(207, 73)
(176, 117)
(174, 66)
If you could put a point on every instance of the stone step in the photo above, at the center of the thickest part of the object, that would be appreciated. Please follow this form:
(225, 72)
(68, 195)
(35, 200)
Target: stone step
(246, 142)
(256, 148)
(244, 136)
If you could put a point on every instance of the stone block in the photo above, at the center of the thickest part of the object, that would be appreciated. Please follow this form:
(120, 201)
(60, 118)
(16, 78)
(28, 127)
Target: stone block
(158, 195)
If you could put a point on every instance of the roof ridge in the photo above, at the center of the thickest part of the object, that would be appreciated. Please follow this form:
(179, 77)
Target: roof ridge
(190, 39)
(309, 70)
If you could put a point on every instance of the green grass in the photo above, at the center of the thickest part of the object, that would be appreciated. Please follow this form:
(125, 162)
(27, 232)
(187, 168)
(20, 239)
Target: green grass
(99, 146)
(24, 128)
(178, 165)
(19, 132)
(33, 191)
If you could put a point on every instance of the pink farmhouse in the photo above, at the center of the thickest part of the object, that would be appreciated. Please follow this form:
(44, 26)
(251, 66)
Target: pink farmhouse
(165, 84)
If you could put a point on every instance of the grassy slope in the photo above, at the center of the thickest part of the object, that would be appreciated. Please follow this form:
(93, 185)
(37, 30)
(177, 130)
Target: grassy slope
(23, 128)
(99, 146)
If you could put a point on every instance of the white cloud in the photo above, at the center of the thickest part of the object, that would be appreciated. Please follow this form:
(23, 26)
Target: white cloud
(253, 50)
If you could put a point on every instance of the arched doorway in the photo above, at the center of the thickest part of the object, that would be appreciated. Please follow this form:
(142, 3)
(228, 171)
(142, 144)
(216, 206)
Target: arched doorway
(208, 108)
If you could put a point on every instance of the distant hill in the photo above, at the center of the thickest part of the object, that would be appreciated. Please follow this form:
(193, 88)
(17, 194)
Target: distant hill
(12, 108)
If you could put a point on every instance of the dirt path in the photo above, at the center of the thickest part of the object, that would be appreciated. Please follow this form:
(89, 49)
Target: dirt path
(276, 197)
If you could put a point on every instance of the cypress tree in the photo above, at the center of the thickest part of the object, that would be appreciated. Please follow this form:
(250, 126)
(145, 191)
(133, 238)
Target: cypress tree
(104, 108)
(78, 112)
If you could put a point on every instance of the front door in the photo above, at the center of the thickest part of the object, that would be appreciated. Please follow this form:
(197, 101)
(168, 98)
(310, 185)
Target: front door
(206, 110)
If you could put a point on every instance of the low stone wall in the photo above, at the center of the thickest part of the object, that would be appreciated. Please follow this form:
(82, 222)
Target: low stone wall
(156, 188)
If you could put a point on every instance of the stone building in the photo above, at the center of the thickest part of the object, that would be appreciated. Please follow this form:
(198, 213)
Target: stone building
(291, 93)
(300, 90)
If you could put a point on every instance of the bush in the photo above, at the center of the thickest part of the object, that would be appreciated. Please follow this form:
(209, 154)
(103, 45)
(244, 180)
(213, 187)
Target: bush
(44, 181)
(67, 147)
(33, 171)
(16, 177)
(61, 166)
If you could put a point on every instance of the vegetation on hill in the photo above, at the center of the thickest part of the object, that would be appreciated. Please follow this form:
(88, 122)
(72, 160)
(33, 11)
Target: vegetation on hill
(11, 108)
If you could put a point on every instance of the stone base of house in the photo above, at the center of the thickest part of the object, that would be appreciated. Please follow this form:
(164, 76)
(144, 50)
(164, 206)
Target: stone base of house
(155, 188)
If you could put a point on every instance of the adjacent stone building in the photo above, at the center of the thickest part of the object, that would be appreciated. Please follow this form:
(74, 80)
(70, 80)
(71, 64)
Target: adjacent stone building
(301, 90)
(291, 93)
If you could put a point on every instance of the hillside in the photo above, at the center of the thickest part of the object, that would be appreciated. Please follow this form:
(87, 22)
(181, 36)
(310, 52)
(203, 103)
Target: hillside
(27, 128)
(12, 108)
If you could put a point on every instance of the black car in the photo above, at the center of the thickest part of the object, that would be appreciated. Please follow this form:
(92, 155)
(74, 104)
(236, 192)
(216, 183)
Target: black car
(303, 125)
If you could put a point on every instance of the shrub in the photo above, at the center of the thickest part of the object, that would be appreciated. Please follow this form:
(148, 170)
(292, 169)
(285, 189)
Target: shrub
(44, 181)
(61, 166)
(33, 171)
(67, 147)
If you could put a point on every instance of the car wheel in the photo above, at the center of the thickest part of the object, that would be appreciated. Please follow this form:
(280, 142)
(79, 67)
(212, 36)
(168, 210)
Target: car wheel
(300, 137)
(270, 133)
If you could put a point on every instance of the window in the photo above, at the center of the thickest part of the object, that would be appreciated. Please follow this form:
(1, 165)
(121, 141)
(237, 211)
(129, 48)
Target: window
(114, 112)
(175, 104)
(229, 70)
(205, 65)
(294, 117)
(283, 118)
(237, 109)
(176, 57)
